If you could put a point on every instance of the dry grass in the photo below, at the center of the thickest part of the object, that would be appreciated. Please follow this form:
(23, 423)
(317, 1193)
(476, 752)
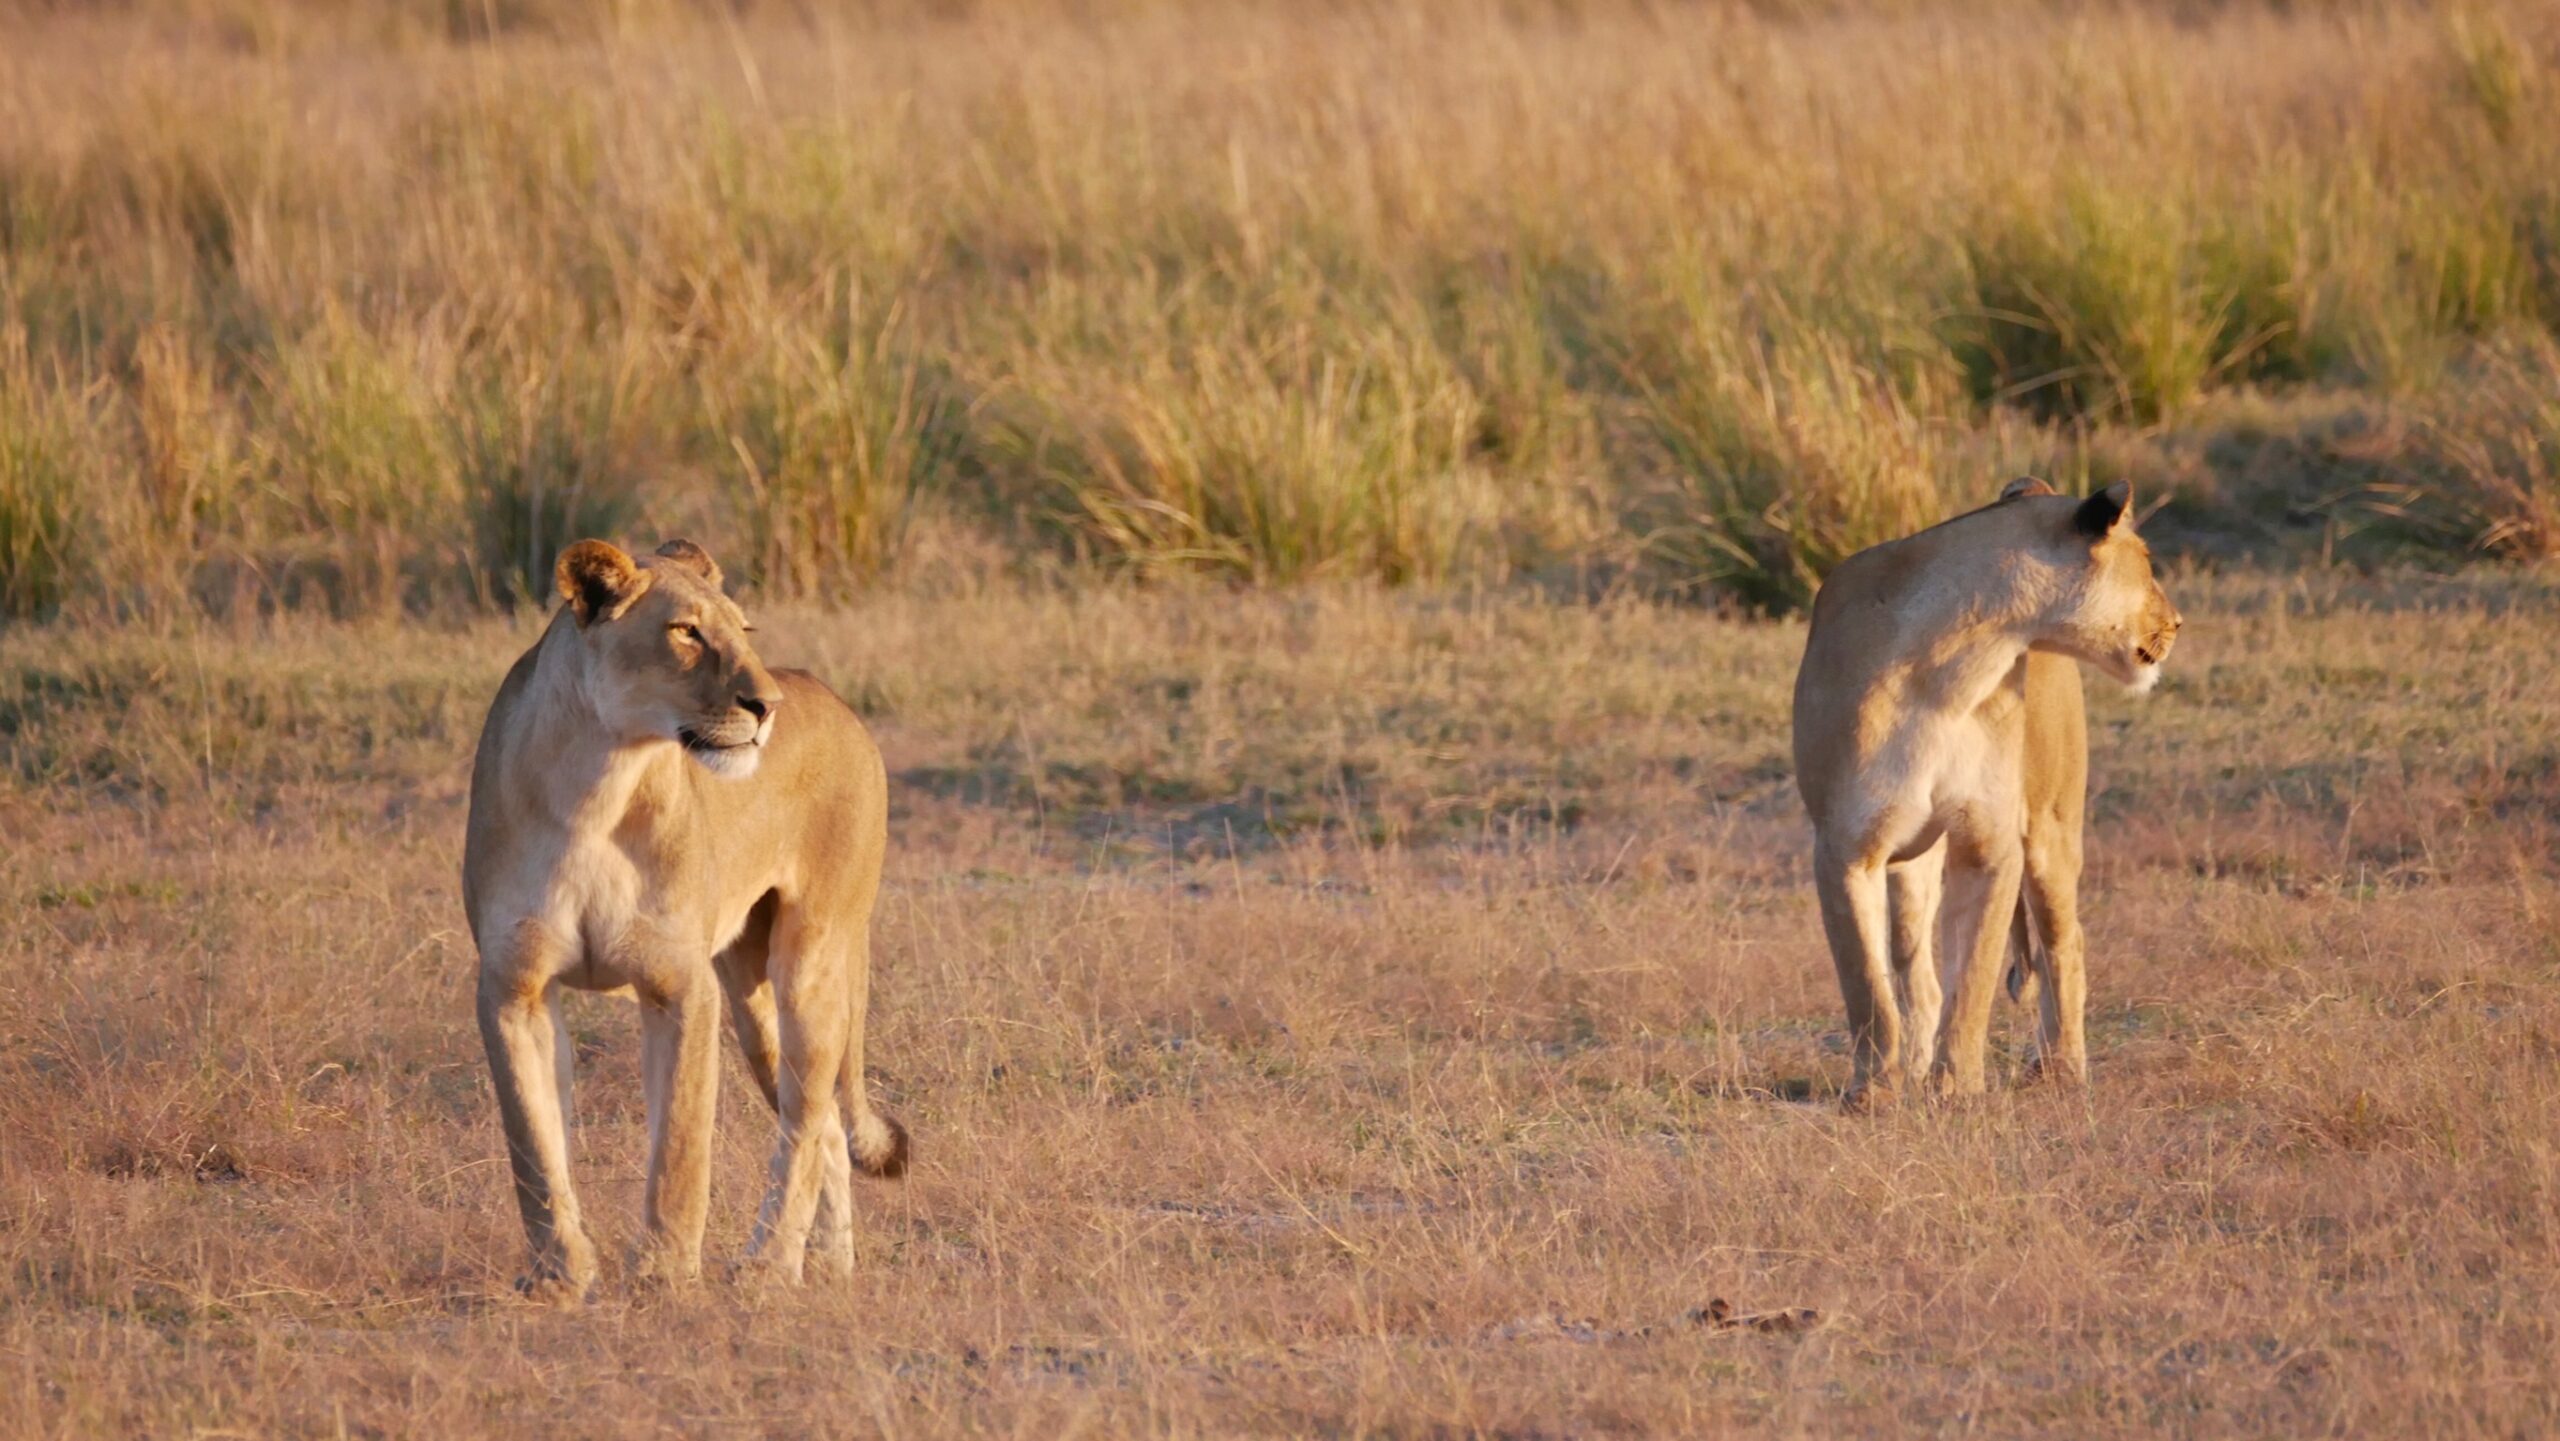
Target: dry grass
(364, 307)
(1321, 1010)
(1312, 1008)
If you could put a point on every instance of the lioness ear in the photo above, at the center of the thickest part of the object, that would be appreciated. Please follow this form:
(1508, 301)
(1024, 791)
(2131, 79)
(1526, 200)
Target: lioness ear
(2104, 511)
(597, 580)
(693, 558)
(2024, 485)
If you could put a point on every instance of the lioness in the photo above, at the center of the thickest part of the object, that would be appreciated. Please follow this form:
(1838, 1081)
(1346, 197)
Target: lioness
(1940, 748)
(655, 812)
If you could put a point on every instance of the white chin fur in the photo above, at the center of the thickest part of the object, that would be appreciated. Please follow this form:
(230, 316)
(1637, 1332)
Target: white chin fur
(2144, 677)
(736, 763)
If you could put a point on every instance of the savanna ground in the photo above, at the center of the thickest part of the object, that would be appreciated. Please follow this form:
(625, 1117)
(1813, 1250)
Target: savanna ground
(1316, 502)
(1335, 1013)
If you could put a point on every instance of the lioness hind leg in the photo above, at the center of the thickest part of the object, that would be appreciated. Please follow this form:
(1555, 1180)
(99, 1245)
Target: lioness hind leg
(2052, 896)
(1981, 893)
(1854, 921)
(871, 1140)
(807, 976)
(833, 1224)
(743, 972)
(878, 1142)
(831, 1232)
(743, 976)
(1913, 888)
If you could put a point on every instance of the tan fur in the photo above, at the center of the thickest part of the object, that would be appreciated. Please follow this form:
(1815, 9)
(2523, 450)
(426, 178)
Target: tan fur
(655, 813)
(1941, 752)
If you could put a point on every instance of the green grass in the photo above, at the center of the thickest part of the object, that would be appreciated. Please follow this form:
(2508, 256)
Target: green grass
(363, 309)
(48, 532)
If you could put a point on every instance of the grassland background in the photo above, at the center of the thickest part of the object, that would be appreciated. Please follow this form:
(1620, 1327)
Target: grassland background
(1347, 955)
(364, 307)
(1351, 1013)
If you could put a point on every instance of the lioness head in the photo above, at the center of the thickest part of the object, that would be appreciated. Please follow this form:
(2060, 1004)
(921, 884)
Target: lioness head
(2111, 611)
(667, 652)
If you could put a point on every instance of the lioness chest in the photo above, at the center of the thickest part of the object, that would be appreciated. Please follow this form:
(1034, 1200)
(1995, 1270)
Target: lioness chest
(1930, 773)
(601, 907)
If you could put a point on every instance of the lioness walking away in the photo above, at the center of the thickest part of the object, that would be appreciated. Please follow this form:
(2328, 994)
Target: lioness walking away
(1940, 748)
(653, 812)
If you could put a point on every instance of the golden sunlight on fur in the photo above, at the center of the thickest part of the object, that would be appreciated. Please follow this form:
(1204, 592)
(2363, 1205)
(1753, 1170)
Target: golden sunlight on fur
(1499, 1007)
(1939, 747)
(655, 813)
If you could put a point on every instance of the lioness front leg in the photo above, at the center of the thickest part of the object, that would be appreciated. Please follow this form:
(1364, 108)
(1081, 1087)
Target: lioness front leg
(1981, 897)
(516, 1029)
(680, 1071)
(751, 1012)
(1854, 920)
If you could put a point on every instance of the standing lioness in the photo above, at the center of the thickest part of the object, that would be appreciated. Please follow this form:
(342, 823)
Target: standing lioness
(654, 811)
(1937, 729)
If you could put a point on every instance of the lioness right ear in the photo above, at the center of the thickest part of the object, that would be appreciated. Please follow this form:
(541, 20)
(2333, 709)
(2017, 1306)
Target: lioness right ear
(2024, 485)
(2104, 511)
(597, 580)
(693, 558)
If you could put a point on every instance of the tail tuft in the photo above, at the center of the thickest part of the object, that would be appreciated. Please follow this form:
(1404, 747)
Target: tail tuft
(879, 1145)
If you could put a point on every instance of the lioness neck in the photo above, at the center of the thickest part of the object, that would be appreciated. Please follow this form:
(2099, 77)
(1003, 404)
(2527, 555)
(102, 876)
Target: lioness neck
(1972, 625)
(565, 764)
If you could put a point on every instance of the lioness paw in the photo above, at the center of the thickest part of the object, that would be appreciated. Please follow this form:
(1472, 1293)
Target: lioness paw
(551, 1288)
(2041, 1071)
(663, 1266)
(1869, 1099)
(1948, 1084)
(762, 1275)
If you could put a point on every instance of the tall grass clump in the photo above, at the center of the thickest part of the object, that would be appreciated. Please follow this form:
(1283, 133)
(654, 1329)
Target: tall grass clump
(363, 306)
(2483, 476)
(544, 454)
(47, 535)
(2113, 305)
(2499, 73)
(1785, 458)
(1273, 439)
(832, 430)
(367, 510)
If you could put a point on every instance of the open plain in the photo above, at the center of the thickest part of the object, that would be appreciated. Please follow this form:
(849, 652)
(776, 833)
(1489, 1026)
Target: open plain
(1317, 502)
(1333, 1012)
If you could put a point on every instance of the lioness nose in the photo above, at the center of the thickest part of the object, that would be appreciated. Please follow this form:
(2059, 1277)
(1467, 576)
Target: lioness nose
(758, 705)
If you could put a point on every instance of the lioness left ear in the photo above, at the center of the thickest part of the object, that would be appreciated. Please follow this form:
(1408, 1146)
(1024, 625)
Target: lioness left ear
(597, 580)
(2024, 485)
(693, 558)
(2103, 512)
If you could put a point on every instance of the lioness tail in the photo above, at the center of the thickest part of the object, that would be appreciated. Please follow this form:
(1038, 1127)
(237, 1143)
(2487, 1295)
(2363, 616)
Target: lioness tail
(879, 1143)
(2026, 956)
